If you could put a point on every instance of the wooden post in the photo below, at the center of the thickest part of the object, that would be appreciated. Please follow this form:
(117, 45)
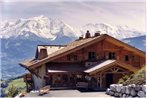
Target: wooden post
(100, 80)
(27, 87)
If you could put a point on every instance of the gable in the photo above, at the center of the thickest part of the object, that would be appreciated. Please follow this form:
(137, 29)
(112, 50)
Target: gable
(125, 46)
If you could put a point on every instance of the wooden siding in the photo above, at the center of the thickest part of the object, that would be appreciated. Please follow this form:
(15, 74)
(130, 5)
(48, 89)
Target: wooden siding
(102, 50)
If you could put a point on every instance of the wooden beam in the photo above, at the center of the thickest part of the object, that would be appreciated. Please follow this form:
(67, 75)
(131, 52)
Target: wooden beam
(111, 49)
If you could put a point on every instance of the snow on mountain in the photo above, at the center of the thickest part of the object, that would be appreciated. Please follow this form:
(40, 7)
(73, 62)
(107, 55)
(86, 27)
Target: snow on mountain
(40, 26)
(118, 32)
(50, 28)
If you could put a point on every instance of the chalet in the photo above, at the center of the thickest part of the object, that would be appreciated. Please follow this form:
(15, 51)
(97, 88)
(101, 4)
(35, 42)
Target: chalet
(98, 60)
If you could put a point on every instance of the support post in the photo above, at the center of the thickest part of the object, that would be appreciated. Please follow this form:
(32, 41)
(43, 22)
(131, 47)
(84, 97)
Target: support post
(100, 80)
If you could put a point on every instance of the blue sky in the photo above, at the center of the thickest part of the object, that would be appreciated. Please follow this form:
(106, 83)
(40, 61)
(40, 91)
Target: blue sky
(79, 12)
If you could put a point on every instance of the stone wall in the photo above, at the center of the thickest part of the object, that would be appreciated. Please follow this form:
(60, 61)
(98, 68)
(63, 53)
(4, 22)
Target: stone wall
(132, 90)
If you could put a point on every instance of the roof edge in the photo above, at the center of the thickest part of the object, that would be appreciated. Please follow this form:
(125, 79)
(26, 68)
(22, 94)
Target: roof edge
(128, 67)
(132, 47)
(53, 45)
(23, 65)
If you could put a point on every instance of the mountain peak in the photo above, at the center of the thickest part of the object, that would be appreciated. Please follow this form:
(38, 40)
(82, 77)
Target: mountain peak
(40, 17)
(118, 32)
(40, 26)
(50, 28)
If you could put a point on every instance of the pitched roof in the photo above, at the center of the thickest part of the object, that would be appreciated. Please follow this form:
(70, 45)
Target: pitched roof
(76, 45)
(107, 63)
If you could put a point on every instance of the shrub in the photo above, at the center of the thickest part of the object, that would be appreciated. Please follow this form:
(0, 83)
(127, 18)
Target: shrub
(138, 78)
(123, 79)
(12, 91)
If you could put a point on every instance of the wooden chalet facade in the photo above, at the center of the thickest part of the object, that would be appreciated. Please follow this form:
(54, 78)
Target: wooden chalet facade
(99, 60)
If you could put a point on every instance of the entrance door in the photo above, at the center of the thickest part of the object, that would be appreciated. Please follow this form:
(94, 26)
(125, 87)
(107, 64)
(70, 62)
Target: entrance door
(65, 80)
(109, 79)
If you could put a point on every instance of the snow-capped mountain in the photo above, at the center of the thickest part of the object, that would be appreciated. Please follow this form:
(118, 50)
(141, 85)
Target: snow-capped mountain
(49, 28)
(20, 38)
(119, 32)
(41, 26)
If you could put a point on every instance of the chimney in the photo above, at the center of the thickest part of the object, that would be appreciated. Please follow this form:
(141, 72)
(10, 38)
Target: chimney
(80, 37)
(87, 34)
(97, 34)
(42, 54)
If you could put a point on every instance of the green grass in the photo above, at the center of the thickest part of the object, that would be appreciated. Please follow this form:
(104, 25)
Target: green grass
(18, 83)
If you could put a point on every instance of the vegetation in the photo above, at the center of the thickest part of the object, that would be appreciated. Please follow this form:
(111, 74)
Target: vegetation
(19, 83)
(15, 86)
(12, 91)
(138, 78)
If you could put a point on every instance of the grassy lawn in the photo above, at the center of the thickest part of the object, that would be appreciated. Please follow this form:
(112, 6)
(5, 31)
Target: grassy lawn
(18, 83)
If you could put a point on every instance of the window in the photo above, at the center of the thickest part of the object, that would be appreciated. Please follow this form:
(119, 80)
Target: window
(133, 58)
(75, 57)
(126, 58)
(72, 57)
(111, 55)
(92, 56)
(68, 57)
